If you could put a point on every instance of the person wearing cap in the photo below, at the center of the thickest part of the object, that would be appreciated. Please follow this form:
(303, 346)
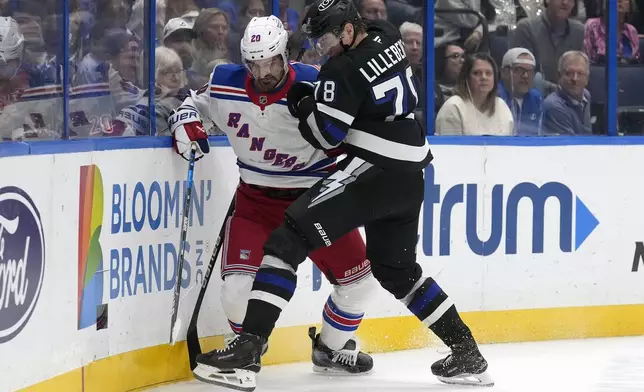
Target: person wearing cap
(178, 35)
(548, 36)
(567, 111)
(516, 89)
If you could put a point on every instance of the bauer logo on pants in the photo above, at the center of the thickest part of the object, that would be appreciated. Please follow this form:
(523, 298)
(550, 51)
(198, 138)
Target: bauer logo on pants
(22, 260)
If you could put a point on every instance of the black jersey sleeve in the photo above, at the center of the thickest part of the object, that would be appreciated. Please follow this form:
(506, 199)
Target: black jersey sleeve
(339, 92)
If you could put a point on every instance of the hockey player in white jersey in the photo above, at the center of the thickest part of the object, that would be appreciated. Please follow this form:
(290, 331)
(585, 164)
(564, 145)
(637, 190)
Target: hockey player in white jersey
(248, 102)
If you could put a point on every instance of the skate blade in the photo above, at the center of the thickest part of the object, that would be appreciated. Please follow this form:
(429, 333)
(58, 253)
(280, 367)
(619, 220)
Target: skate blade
(329, 371)
(239, 380)
(477, 380)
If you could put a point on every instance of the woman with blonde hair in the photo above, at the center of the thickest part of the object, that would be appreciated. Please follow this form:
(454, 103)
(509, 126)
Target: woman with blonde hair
(169, 93)
(213, 42)
(475, 108)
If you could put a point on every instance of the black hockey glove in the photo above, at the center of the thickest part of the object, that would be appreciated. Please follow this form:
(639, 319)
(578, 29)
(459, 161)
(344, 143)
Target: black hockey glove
(297, 92)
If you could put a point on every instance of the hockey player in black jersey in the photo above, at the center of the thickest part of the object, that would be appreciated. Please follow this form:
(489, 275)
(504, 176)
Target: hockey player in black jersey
(362, 103)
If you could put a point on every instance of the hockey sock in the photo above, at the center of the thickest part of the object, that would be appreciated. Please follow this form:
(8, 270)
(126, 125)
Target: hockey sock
(433, 307)
(237, 328)
(338, 326)
(273, 288)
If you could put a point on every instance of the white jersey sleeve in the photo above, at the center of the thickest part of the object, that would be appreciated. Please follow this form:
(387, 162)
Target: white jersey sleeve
(201, 101)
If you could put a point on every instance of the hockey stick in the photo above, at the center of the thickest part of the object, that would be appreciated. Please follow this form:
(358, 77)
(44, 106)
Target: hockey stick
(175, 326)
(194, 348)
(300, 54)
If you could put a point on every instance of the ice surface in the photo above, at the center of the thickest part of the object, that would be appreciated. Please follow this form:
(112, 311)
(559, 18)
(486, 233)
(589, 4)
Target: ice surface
(592, 365)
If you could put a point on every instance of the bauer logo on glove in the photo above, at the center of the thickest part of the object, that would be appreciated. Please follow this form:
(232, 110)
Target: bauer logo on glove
(187, 128)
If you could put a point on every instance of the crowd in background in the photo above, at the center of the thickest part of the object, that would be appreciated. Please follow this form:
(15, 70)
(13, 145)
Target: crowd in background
(502, 67)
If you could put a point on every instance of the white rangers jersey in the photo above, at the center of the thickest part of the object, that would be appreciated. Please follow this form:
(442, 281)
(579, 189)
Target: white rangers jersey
(94, 107)
(30, 107)
(264, 135)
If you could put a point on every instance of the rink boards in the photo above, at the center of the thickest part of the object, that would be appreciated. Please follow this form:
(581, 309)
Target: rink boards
(531, 242)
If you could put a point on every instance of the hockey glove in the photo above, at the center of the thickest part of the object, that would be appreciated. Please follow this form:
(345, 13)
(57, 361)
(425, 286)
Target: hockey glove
(187, 128)
(296, 93)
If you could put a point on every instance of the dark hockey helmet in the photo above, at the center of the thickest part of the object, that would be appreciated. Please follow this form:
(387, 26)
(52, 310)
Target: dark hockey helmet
(327, 18)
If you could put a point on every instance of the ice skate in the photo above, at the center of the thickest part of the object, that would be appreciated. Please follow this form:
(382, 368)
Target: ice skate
(349, 360)
(229, 338)
(464, 366)
(233, 367)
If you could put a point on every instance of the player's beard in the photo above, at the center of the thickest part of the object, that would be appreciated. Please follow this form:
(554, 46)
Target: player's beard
(266, 83)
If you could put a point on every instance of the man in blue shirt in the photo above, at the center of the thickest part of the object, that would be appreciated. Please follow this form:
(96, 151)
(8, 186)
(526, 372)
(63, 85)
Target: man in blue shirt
(567, 111)
(515, 88)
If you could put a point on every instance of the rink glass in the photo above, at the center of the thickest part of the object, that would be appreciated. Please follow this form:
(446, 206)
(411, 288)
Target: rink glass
(98, 71)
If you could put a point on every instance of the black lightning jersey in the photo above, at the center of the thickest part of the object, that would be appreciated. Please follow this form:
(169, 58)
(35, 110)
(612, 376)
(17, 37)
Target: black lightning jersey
(364, 98)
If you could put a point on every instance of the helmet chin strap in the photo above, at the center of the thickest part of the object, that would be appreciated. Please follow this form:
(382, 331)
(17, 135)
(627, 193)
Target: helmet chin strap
(353, 41)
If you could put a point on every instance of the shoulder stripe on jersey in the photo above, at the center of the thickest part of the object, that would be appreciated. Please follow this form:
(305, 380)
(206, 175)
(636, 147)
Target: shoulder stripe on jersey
(387, 148)
(40, 97)
(227, 89)
(335, 113)
(230, 97)
(42, 90)
(90, 87)
(89, 94)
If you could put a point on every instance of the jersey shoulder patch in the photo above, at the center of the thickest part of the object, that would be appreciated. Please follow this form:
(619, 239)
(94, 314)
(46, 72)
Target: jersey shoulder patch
(229, 75)
(305, 72)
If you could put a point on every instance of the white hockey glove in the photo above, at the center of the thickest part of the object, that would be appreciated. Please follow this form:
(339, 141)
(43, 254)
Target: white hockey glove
(187, 128)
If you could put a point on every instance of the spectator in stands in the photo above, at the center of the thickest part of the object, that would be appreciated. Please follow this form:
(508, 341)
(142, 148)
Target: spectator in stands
(515, 89)
(412, 36)
(567, 111)
(93, 68)
(628, 50)
(230, 7)
(178, 35)
(179, 8)
(465, 30)
(548, 36)
(114, 13)
(124, 53)
(636, 16)
(290, 18)
(401, 11)
(249, 10)
(449, 61)
(170, 92)
(30, 15)
(295, 44)
(475, 108)
(372, 9)
(23, 119)
(212, 43)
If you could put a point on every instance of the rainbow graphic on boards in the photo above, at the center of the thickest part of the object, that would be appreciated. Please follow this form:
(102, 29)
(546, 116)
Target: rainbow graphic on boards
(90, 255)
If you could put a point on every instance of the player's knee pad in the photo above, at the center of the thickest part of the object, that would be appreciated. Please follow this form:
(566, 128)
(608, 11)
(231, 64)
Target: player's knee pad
(354, 297)
(235, 293)
(398, 280)
(287, 244)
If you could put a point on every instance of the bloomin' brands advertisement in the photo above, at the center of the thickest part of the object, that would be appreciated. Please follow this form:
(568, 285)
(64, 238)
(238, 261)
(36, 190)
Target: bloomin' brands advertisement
(128, 242)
